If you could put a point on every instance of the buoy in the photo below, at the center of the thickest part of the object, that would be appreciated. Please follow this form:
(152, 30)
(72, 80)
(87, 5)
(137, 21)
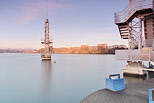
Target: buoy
(54, 61)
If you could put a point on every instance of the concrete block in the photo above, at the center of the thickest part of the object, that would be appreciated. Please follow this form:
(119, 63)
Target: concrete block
(115, 84)
(151, 95)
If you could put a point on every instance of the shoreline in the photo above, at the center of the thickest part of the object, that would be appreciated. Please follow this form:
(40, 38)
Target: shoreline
(55, 53)
(137, 92)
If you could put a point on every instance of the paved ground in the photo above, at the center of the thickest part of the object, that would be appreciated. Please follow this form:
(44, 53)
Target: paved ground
(137, 92)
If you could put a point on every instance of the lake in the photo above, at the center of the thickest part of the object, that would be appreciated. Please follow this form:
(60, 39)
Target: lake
(25, 78)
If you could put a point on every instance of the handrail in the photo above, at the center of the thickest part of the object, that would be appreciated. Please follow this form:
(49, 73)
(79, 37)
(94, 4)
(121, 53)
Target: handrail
(133, 5)
(112, 75)
(125, 15)
(135, 55)
(130, 5)
(131, 8)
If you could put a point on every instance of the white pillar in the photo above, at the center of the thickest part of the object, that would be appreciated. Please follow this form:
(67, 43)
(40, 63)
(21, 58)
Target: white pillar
(129, 35)
(140, 34)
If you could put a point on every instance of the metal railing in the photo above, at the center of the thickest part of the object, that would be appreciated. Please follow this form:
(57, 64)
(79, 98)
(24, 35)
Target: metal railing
(152, 56)
(131, 8)
(50, 40)
(135, 55)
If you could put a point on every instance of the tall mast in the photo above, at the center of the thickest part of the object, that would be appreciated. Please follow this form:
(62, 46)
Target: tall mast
(47, 12)
(47, 43)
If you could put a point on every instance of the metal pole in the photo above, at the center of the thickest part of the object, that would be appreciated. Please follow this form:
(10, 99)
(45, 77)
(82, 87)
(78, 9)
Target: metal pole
(140, 34)
(129, 37)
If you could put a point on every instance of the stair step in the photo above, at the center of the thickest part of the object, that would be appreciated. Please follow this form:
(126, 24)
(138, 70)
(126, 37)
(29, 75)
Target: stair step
(124, 36)
(123, 26)
(123, 29)
(123, 32)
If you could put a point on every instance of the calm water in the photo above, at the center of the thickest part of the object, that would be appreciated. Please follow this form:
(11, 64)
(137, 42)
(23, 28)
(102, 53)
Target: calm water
(24, 78)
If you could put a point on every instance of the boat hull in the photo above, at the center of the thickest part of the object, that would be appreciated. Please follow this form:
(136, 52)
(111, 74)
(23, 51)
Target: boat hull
(46, 57)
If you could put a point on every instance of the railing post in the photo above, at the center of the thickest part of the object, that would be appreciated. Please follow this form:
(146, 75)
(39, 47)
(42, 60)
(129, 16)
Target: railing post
(140, 33)
(149, 55)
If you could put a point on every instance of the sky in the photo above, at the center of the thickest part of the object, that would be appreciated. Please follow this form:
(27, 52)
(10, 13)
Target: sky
(72, 22)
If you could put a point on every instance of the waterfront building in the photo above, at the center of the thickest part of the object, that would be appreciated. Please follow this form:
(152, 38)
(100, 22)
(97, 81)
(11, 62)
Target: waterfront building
(93, 49)
(112, 48)
(85, 49)
(68, 49)
(61, 50)
(76, 50)
(102, 48)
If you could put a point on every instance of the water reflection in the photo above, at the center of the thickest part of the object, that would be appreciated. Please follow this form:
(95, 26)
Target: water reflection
(47, 76)
(150, 75)
(129, 79)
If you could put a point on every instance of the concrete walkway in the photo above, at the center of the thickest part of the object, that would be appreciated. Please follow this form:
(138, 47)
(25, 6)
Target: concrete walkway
(137, 92)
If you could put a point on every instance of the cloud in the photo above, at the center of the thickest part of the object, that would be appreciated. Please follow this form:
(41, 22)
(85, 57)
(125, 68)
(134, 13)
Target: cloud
(23, 14)
(20, 21)
(30, 13)
(52, 5)
(64, 0)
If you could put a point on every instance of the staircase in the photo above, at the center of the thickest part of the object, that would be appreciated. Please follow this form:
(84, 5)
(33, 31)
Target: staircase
(127, 15)
(124, 31)
(124, 17)
(125, 34)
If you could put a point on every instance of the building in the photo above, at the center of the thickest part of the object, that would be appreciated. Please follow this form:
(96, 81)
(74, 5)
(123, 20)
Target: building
(76, 50)
(84, 49)
(102, 48)
(111, 49)
(61, 50)
(93, 49)
(68, 49)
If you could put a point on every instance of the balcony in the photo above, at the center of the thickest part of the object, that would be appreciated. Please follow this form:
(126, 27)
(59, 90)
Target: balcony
(48, 41)
(145, 6)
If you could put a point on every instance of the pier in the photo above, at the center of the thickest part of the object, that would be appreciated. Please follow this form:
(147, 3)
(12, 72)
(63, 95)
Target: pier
(136, 17)
(137, 92)
(149, 70)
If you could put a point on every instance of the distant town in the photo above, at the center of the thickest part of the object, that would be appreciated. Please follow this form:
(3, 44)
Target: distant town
(83, 49)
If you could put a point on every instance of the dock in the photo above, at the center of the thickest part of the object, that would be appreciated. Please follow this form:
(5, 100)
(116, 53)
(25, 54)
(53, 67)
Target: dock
(150, 70)
(137, 92)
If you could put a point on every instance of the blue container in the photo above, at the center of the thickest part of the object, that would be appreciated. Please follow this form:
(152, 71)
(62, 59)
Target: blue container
(115, 84)
(151, 95)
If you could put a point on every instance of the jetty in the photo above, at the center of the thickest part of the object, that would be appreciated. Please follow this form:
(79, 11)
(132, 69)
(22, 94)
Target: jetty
(137, 92)
(136, 17)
